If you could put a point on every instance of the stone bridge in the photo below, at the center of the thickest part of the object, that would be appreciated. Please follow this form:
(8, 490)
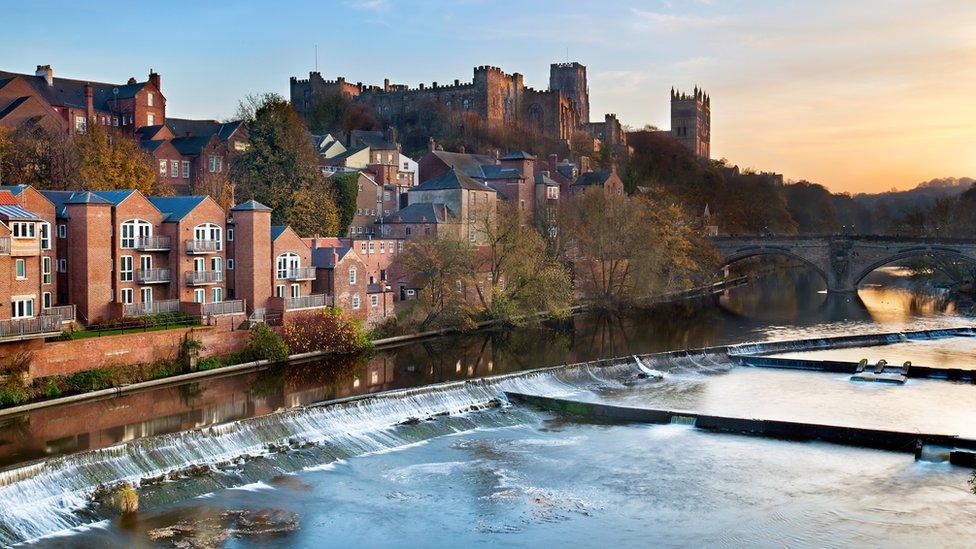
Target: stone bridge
(843, 260)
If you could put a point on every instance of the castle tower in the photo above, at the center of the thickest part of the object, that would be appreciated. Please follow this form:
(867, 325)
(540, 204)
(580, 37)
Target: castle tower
(691, 121)
(570, 79)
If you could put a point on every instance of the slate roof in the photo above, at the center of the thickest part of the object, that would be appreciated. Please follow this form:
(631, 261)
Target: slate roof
(517, 155)
(322, 257)
(115, 197)
(69, 92)
(13, 106)
(184, 127)
(497, 172)
(468, 164)
(421, 212)
(175, 208)
(250, 205)
(452, 180)
(543, 179)
(14, 189)
(276, 231)
(592, 178)
(151, 146)
(59, 198)
(191, 145)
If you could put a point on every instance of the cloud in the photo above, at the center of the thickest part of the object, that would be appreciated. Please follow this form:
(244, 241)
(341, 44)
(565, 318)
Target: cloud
(368, 5)
(661, 20)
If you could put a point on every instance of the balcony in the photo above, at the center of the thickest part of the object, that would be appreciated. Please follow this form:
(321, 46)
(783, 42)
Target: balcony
(25, 246)
(151, 308)
(4, 245)
(203, 278)
(305, 302)
(65, 312)
(153, 243)
(198, 247)
(235, 306)
(30, 328)
(153, 276)
(301, 273)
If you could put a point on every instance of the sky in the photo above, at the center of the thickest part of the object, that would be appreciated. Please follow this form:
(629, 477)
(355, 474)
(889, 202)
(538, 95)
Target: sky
(861, 96)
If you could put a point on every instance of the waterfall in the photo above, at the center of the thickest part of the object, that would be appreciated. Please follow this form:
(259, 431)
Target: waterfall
(51, 496)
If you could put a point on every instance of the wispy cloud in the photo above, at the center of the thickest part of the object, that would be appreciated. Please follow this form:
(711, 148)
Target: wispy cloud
(368, 5)
(659, 20)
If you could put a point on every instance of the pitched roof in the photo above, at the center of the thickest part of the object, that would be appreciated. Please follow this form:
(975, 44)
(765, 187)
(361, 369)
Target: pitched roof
(542, 179)
(372, 139)
(452, 179)
(517, 155)
(592, 178)
(71, 93)
(8, 198)
(191, 145)
(497, 172)
(175, 208)
(323, 257)
(151, 146)
(14, 189)
(184, 127)
(277, 230)
(251, 205)
(10, 212)
(115, 197)
(421, 212)
(468, 164)
(59, 199)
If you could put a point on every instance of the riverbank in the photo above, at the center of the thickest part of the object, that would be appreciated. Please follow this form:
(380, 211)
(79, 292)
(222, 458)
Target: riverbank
(260, 365)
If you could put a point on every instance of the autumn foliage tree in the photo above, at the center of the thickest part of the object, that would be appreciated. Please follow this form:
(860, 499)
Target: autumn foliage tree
(444, 267)
(326, 331)
(109, 159)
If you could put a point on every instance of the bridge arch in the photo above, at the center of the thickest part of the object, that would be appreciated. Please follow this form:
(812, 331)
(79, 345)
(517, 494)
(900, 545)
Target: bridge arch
(754, 251)
(911, 253)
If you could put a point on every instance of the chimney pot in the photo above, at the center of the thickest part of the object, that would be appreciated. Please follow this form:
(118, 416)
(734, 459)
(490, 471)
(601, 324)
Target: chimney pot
(47, 72)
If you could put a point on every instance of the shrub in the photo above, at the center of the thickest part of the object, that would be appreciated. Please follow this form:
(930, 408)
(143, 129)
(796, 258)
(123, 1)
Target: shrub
(17, 364)
(11, 395)
(190, 348)
(51, 390)
(91, 380)
(325, 331)
(127, 499)
(209, 363)
(264, 344)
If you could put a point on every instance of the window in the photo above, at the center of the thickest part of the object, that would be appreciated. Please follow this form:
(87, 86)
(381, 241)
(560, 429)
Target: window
(62, 265)
(62, 231)
(280, 290)
(362, 248)
(426, 230)
(209, 231)
(216, 264)
(287, 262)
(407, 231)
(145, 262)
(382, 247)
(215, 164)
(126, 296)
(399, 246)
(174, 168)
(22, 308)
(150, 119)
(216, 295)
(81, 124)
(355, 301)
(21, 269)
(133, 230)
(149, 101)
(230, 264)
(471, 235)
(411, 292)
(352, 274)
(146, 295)
(296, 290)
(199, 295)
(230, 235)
(372, 248)
(46, 301)
(374, 300)
(162, 167)
(46, 270)
(23, 229)
(186, 169)
(45, 236)
(382, 274)
(125, 270)
(115, 120)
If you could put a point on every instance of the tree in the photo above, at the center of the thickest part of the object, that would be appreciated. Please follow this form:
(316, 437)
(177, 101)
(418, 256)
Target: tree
(444, 267)
(109, 159)
(313, 210)
(218, 186)
(346, 187)
(281, 163)
(34, 155)
(326, 114)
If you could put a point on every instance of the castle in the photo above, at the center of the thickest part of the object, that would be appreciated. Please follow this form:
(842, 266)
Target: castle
(691, 121)
(498, 98)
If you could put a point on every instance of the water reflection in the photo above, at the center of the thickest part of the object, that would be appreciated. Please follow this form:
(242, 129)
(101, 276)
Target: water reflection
(783, 305)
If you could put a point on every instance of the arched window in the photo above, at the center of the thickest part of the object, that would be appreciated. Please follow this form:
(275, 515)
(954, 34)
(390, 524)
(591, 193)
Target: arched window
(352, 275)
(287, 262)
(209, 231)
(133, 231)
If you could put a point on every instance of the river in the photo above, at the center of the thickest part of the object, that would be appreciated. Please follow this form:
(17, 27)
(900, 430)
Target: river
(501, 477)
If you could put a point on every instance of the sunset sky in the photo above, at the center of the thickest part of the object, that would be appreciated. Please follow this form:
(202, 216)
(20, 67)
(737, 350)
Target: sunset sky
(859, 96)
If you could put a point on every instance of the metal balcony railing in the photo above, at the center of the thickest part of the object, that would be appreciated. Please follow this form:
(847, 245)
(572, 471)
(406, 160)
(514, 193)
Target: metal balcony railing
(153, 243)
(5, 245)
(202, 246)
(151, 308)
(202, 278)
(301, 273)
(305, 302)
(234, 306)
(153, 276)
(65, 312)
(23, 328)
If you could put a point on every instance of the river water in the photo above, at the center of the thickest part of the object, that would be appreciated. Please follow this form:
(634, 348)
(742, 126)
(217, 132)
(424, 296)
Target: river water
(514, 476)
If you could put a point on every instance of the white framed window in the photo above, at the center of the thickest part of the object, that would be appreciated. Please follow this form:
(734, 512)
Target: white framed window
(149, 101)
(150, 119)
(46, 300)
(145, 262)
(362, 247)
(230, 264)
(186, 169)
(230, 234)
(209, 231)
(287, 262)
(471, 235)
(162, 167)
(355, 301)
(133, 230)
(145, 294)
(21, 269)
(296, 290)
(199, 295)
(352, 275)
(374, 300)
(62, 265)
(217, 264)
(46, 276)
(411, 292)
(45, 235)
(81, 124)
(383, 247)
(399, 246)
(125, 268)
(125, 296)
(199, 264)
(372, 248)
(115, 120)
(62, 231)
(280, 290)
(22, 308)
(174, 168)
(215, 164)
(23, 229)
(216, 295)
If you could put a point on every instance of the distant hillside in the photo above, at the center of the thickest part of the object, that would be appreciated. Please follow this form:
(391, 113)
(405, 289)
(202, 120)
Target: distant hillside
(895, 205)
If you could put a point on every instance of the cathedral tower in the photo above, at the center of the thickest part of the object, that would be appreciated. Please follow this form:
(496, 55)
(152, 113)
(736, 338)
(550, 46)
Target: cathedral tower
(691, 121)
(570, 79)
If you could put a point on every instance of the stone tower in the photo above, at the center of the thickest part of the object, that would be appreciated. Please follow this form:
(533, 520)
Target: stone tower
(570, 79)
(691, 121)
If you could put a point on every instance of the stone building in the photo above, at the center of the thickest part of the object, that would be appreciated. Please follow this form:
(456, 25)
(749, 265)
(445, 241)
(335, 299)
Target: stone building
(691, 121)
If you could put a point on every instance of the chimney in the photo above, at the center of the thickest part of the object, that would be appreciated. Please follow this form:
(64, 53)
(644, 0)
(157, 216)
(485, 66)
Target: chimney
(132, 80)
(154, 78)
(47, 72)
(89, 103)
(386, 84)
(553, 161)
